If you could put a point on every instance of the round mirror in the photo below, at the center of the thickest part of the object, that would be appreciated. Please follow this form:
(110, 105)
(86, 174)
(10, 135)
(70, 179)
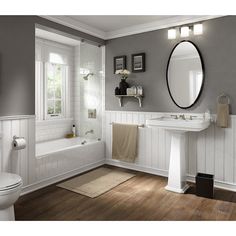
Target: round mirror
(185, 74)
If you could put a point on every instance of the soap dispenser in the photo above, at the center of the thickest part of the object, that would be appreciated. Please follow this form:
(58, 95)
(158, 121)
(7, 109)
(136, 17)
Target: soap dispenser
(73, 130)
(207, 115)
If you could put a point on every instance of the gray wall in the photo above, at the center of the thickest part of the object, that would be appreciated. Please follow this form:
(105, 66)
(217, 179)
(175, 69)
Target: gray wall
(17, 61)
(16, 66)
(217, 46)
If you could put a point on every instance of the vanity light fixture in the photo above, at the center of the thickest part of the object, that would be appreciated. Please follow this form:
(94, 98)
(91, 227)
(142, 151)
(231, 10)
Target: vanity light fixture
(184, 31)
(197, 29)
(172, 34)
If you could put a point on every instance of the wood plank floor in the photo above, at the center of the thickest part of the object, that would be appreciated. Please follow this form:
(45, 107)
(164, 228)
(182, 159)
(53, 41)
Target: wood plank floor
(140, 198)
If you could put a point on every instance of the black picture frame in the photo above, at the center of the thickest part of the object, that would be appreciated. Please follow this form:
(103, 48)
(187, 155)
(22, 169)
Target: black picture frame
(203, 77)
(119, 63)
(138, 62)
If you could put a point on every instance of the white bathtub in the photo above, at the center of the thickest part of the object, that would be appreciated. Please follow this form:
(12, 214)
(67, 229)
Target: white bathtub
(66, 157)
(59, 145)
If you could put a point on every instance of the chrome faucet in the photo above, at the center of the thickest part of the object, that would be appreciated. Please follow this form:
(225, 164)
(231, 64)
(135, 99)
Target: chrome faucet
(182, 117)
(89, 131)
(191, 117)
(175, 116)
(84, 142)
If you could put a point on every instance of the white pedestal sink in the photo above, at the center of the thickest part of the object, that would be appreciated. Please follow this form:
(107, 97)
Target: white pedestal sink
(178, 128)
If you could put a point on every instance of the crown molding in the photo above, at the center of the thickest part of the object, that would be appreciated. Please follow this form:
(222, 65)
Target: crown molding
(155, 25)
(136, 29)
(74, 24)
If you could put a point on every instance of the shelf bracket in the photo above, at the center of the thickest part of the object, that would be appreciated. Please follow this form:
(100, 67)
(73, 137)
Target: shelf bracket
(139, 100)
(120, 101)
(138, 97)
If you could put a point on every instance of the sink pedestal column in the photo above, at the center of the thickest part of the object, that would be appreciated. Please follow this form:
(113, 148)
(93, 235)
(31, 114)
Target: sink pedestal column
(177, 167)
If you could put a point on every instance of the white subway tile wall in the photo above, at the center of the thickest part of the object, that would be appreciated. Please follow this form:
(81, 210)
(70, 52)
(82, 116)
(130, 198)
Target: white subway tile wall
(91, 90)
(50, 130)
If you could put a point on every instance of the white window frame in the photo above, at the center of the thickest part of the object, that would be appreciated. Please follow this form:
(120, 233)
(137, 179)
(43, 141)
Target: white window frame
(41, 93)
(63, 95)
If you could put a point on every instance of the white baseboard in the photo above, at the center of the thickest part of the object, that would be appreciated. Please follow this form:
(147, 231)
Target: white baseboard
(131, 166)
(137, 167)
(164, 173)
(217, 184)
(55, 179)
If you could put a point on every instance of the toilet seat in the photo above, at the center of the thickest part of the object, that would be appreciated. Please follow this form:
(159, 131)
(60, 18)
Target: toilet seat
(9, 181)
(10, 187)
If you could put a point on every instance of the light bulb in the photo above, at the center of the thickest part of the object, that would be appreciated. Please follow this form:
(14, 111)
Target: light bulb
(197, 29)
(184, 31)
(172, 34)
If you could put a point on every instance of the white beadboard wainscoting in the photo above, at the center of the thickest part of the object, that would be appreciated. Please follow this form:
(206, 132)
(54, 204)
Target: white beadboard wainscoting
(211, 151)
(37, 173)
(21, 162)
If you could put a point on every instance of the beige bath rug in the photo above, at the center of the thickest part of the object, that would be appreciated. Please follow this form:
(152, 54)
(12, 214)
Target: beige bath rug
(96, 182)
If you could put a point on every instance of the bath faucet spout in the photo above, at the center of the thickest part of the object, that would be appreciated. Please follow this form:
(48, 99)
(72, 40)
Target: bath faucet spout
(89, 131)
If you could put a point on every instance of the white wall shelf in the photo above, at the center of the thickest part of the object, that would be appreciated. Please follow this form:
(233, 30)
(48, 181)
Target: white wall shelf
(120, 97)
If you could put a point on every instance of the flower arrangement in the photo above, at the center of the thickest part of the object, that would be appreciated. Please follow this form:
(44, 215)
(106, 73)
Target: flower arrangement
(124, 73)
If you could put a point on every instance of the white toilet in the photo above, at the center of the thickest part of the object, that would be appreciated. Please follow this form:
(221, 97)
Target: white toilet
(10, 188)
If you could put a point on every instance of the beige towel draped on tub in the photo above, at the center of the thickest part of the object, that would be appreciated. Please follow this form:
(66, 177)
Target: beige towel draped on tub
(124, 142)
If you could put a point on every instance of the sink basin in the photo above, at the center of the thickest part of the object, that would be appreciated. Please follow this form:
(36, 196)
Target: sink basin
(169, 123)
(178, 128)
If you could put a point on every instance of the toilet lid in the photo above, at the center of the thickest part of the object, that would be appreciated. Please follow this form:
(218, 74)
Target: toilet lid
(9, 180)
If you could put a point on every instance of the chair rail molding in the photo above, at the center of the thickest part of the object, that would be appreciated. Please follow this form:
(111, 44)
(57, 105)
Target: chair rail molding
(17, 117)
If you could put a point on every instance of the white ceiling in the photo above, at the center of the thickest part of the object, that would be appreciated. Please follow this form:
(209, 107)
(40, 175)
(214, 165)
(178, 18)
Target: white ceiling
(114, 26)
(44, 34)
(111, 23)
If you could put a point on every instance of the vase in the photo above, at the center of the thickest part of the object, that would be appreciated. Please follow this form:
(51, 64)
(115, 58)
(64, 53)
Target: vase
(117, 91)
(123, 86)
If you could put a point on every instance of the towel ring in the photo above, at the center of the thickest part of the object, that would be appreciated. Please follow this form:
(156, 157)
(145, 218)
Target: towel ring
(221, 98)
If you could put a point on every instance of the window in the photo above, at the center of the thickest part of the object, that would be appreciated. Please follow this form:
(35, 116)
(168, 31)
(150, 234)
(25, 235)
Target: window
(195, 84)
(55, 89)
(52, 83)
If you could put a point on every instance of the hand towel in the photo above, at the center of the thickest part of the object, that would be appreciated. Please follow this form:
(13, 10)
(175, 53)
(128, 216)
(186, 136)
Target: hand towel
(124, 142)
(222, 119)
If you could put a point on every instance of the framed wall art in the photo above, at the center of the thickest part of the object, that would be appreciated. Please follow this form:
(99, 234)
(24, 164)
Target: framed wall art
(119, 63)
(138, 62)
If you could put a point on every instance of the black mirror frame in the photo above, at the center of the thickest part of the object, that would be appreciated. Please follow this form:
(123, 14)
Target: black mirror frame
(203, 77)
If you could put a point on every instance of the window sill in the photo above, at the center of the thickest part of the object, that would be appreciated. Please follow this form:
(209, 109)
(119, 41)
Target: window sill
(53, 121)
